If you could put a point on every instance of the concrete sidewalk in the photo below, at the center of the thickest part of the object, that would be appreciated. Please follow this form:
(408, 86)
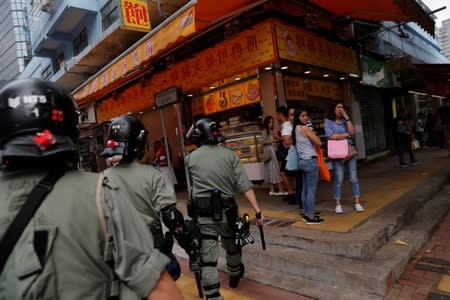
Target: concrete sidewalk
(353, 255)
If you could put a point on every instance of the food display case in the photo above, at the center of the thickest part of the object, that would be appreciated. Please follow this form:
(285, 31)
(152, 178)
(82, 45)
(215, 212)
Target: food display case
(248, 147)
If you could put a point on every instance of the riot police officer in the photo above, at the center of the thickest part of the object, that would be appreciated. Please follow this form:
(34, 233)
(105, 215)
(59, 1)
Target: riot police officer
(58, 239)
(217, 173)
(148, 188)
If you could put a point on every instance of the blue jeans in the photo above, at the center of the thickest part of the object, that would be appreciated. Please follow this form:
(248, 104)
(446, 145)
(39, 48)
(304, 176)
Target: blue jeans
(338, 177)
(310, 178)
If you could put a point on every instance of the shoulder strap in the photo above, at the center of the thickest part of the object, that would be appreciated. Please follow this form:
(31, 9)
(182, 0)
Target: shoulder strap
(34, 201)
(98, 202)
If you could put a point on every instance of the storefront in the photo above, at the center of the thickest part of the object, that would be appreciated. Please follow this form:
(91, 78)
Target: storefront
(237, 82)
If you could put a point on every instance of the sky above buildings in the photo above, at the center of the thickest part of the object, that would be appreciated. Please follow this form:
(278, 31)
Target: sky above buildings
(435, 4)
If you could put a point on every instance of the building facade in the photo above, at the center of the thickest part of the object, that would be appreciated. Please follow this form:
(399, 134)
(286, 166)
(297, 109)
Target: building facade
(15, 50)
(444, 34)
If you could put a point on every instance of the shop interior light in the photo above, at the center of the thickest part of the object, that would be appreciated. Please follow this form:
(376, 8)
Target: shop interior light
(436, 96)
(284, 67)
(341, 78)
(141, 112)
(211, 87)
(268, 68)
(353, 75)
(326, 75)
(237, 78)
(307, 71)
(129, 113)
(189, 95)
(417, 93)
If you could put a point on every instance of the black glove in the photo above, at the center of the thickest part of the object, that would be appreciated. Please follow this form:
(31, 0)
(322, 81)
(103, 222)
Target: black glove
(242, 234)
(189, 238)
(167, 245)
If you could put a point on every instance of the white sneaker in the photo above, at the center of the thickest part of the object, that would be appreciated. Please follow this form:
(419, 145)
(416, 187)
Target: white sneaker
(338, 209)
(274, 194)
(282, 193)
(358, 207)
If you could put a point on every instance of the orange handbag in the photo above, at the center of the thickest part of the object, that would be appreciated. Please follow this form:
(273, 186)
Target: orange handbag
(324, 173)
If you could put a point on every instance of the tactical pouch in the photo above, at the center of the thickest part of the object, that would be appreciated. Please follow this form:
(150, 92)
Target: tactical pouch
(231, 214)
(216, 205)
(203, 207)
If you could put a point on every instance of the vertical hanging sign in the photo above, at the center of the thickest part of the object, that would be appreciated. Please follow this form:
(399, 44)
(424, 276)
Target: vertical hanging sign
(135, 15)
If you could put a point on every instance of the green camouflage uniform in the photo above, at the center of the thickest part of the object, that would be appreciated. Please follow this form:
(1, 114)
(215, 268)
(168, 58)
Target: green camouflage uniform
(217, 167)
(62, 252)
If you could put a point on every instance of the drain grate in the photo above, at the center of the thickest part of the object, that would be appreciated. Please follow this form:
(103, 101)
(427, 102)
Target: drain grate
(434, 265)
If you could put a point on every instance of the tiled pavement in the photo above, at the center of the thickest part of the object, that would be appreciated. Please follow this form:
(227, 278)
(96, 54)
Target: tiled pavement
(421, 280)
(247, 289)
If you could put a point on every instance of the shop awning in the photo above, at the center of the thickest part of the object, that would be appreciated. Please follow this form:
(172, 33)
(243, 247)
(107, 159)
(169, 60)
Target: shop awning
(193, 17)
(380, 10)
(437, 78)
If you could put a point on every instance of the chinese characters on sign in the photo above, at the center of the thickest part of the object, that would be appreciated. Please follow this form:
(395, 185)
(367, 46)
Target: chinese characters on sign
(135, 15)
(303, 46)
(252, 48)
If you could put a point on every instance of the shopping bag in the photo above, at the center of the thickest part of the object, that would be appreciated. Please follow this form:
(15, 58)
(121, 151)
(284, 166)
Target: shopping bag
(415, 144)
(292, 159)
(337, 149)
(324, 172)
(266, 156)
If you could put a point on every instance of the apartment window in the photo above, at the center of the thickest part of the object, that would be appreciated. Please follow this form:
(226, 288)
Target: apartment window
(109, 14)
(47, 73)
(80, 42)
(58, 61)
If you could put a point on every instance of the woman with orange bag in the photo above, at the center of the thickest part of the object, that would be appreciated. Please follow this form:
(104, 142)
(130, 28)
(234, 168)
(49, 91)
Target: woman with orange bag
(306, 142)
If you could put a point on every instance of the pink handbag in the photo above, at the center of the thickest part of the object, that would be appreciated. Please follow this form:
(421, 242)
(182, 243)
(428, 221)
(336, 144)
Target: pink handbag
(337, 149)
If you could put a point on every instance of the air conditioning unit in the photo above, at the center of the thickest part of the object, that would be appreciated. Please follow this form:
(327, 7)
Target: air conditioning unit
(47, 5)
(87, 116)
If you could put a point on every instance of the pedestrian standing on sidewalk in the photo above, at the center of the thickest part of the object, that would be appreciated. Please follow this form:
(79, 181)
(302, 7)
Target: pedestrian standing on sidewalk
(338, 126)
(420, 129)
(443, 117)
(306, 142)
(217, 173)
(284, 140)
(297, 175)
(74, 245)
(271, 167)
(404, 135)
(149, 190)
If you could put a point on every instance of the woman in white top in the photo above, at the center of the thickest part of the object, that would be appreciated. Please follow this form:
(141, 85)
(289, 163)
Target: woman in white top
(306, 142)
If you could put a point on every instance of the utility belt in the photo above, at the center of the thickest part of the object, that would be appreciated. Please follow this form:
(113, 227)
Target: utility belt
(214, 206)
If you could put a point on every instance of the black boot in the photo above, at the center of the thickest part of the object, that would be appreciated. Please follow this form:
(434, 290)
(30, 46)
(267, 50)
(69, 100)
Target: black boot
(234, 280)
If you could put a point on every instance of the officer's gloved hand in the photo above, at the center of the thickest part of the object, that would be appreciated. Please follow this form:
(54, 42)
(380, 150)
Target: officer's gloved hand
(242, 234)
(194, 263)
(167, 246)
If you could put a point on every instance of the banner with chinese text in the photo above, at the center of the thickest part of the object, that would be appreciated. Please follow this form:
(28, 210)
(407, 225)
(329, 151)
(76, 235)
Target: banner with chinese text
(182, 26)
(303, 46)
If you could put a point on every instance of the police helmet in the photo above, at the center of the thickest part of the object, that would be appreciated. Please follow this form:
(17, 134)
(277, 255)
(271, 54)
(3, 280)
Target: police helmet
(205, 131)
(37, 119)
(127, 136)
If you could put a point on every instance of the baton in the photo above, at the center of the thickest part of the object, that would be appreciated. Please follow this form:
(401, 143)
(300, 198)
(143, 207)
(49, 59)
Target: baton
(261, 233)
(199, 284)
